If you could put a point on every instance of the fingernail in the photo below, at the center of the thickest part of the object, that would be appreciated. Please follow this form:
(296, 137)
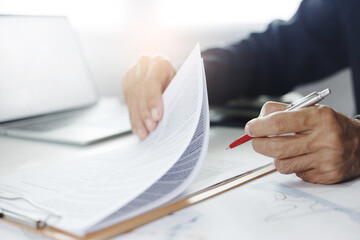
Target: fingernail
(141, 134)
(149, 124)
(247, 129)
(155, 114)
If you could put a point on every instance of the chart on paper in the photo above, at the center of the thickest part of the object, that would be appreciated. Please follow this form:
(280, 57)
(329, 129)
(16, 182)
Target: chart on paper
(300, 203)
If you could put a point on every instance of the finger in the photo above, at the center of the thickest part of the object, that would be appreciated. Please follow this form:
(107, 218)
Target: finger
(282, 122)
(317, 167)
(133, 81)
(270, 107)
(128, 85)
(137, 124)
(142, 68)
(327, 178)
(128, 79)
(159, 76)
(296, 164)
(164, 65)
(146, 113)
(308, 176)
(315, 176)
(284, 146)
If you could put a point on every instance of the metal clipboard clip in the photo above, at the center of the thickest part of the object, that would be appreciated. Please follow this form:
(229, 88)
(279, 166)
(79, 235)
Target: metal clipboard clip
(24, 219)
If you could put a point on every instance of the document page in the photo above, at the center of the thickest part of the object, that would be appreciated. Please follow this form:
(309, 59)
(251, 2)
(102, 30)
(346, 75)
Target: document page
(85, 191)
(224, 164)
(276, 206)
(177, 179)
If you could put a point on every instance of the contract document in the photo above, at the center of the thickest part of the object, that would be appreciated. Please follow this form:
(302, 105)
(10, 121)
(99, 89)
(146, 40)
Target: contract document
(81, 196)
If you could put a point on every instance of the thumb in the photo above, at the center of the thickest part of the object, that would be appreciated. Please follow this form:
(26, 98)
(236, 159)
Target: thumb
(270, 107)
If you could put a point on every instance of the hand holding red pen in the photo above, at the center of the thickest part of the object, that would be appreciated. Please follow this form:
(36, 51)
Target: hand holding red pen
(325, 146)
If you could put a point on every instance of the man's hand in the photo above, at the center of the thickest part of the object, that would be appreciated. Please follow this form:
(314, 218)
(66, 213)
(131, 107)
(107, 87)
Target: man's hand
(143, 86)
(325, 146)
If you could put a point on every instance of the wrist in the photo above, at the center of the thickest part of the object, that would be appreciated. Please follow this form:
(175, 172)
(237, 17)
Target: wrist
(357, 121)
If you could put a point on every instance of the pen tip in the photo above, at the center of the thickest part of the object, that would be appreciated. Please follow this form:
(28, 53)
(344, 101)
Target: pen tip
(227, 148)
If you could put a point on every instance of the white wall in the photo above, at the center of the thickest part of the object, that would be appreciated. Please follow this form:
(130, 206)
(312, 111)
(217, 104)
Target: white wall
(342, 97)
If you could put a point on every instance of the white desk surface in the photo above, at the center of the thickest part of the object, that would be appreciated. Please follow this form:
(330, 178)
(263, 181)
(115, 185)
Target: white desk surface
(19, 154)
(242, 213)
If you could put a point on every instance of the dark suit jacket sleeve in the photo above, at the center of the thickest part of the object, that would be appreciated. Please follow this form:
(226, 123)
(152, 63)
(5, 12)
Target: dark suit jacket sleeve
(306, 48)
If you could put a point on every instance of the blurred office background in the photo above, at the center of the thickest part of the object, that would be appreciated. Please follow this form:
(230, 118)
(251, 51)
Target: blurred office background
(114, 33)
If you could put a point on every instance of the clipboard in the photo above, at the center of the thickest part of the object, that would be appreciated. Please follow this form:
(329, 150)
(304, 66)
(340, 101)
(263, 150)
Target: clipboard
(152, 215)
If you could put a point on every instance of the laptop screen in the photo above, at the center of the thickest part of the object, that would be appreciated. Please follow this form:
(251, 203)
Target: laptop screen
(42, 69)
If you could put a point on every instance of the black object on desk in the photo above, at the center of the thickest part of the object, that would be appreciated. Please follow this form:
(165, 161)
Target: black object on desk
(237, 112)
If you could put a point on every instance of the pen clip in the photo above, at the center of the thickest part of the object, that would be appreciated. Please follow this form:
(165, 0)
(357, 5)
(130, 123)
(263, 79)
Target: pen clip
(302, 100)
(309, 100)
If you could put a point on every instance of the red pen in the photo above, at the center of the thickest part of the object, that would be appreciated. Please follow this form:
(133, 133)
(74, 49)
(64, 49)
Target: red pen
(309, 100)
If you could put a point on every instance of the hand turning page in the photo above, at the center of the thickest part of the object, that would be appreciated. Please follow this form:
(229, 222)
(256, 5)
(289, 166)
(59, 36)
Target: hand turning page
(92, 193)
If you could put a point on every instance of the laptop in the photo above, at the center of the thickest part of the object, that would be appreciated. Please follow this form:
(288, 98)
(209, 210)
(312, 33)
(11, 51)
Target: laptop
(46, 90)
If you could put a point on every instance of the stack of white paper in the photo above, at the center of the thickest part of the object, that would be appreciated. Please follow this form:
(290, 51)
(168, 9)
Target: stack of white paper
(101, 190)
